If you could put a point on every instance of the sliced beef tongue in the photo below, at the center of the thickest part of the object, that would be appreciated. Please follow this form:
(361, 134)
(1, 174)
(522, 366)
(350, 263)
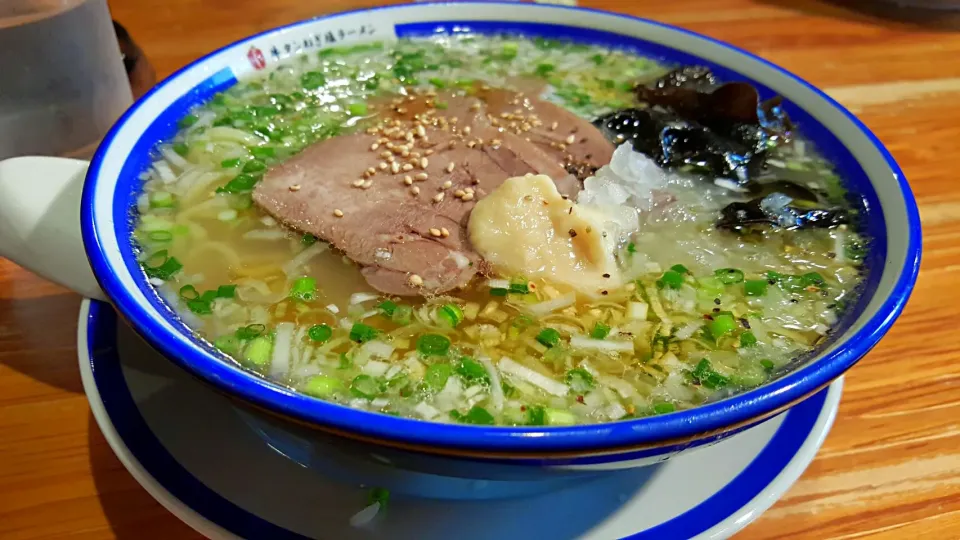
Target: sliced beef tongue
(396, 198)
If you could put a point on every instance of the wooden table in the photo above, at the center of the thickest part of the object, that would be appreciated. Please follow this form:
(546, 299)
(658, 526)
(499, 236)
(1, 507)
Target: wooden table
(889, 469)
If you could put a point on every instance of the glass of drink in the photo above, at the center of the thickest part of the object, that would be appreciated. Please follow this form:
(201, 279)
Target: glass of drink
(62, 77)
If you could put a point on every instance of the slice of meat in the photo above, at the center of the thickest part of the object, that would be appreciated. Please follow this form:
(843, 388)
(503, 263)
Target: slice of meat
(396, 198)
(572, 141)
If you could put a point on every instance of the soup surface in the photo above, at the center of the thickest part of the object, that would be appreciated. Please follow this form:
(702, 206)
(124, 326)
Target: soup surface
(499, 230)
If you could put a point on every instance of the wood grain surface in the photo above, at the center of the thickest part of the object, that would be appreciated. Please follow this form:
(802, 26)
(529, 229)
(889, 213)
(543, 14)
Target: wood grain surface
(890, 468)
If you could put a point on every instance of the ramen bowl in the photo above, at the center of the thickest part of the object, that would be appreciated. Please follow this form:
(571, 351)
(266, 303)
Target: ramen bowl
(44, 229)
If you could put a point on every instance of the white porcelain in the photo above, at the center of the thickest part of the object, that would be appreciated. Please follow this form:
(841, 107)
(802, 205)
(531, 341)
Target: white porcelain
(40, 220)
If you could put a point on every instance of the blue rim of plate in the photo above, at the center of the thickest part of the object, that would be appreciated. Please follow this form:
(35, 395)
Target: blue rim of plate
(146, 448)
(735, 410)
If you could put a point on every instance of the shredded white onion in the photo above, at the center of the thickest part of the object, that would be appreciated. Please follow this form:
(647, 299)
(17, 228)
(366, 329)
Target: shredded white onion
(548, 306)
(173, 157)
(522, 372)
(225, 133)
(726, 183)
(687, 330)
(472, 391)
(615, 411)
(264, 234)
(375, 368)
(392, 372)
(498, 284)
(605, 345)
(280, 361)
(637, 311)
(361, 297)
(164, 172)
(365, 516)
(625, 389)
(293, 266)
(332, 308)
(426, 410)
(496, 389)
(459, 258)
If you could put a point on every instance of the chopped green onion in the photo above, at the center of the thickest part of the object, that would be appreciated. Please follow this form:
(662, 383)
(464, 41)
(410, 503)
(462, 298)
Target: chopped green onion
(200, 306)
(680, 269)
(162, 199)
(755, 287)
(631, 248)
(544, 69)
(729, 276)
(439, 83)
(160, 236)
(240, 201)
(471, 370)
(747, 339)
(600, 331)
(263, 152)
(451, 314)
(312, 80)
(379, 495)
(322, 386)
(387, 307)
(254, 166)
(226, 291)
(509, 51)
(671, 279)
(812, 279)
(497, 291)
(163, 266)
(188, 121)
(558, 417)
(580, 380)
(228, 344)
(436, 376)
(715, 380)
(230, 163)
(402, 315)
(304, 288)
(549, 337)
(597, 59)
(258, 352)
(320, 333)
(241, 183)
(479, 416)
(308, 239)
(546, 44)
(357, 109)
(664, 408)
(433, 344)
(365, 386)
(793, 284)
(520, 288)
(722, 324)
(189, 292)
(251, 331)
(767, 365)
(362, 333)
(535, 415)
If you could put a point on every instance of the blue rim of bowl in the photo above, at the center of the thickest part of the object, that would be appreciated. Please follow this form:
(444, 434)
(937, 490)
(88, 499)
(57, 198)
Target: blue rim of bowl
(508, 441)
(144, 445)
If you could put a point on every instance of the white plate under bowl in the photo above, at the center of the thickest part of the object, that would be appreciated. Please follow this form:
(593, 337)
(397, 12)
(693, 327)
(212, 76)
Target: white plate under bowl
(191, 451)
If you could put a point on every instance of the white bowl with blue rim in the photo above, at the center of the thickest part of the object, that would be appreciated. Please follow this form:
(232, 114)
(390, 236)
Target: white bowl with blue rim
(43, 227)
